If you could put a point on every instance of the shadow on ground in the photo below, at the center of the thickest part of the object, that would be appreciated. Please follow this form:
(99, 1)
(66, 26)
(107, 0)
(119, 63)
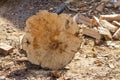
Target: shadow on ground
(35, 71)
(17, 11)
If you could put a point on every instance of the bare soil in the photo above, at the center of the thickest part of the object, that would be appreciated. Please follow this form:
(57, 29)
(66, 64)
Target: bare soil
(92, 62)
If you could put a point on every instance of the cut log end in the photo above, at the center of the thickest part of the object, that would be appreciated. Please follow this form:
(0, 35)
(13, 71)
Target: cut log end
(50, 40)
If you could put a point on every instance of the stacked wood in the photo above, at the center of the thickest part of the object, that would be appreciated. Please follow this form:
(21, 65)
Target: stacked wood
(107, 26)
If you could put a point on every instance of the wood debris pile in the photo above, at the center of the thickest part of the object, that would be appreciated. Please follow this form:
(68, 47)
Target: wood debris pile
(106, 27)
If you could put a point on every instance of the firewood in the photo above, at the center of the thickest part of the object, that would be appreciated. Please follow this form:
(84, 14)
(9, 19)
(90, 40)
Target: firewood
(105, 33)
(112, 17)
(108, 25)
(100, 7)
(116, 35)
(104, 0)
(92, 33)
(50, 40)
(116, 23)
(5, 49)
(79, 18)
(96, 21)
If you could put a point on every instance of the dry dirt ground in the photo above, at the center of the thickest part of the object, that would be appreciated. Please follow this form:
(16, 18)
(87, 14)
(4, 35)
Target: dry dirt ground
(92, 62)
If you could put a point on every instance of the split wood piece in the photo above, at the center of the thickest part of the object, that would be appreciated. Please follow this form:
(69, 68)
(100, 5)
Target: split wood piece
(116, 23)
(50, 40)
(108, 25)
(5, 49)
(105, 33)
(20, 41)
(96, 21)
(116, 35)
(112, 17)
(79, 18)
(100, 7)
(92, 33)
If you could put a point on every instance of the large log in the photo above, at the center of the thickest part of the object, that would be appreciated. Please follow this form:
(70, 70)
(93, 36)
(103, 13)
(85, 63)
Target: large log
(50, 40)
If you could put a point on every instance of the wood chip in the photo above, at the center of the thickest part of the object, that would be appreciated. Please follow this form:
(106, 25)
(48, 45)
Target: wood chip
(111, 65)
(20, 41)
(96, 21)
(112, 17)
(116, 23)
(116, 35)
(105, 33)
(108, 25)
(100, 7)
(4, 48)
(79, 18)
(55, 74)
(98, 62)
(92, 33)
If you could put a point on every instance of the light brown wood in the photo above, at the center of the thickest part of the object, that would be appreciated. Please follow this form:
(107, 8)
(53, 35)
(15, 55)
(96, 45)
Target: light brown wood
(116, 35)
(105, 33)
(112, 17)
(5, 49)
(79, 18)
(92, 33)
(100, 7)
(116, 23)
(50, 40)
(108, 25)
(96, 21)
